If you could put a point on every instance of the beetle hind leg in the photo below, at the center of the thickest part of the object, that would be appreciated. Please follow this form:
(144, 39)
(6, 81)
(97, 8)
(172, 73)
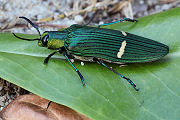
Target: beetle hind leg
(102, 63)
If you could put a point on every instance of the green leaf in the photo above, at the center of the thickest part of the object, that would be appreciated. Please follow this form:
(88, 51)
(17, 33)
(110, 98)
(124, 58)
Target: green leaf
(106, 96)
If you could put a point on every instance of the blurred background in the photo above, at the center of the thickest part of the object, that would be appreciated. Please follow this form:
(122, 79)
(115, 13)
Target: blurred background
(56, 14)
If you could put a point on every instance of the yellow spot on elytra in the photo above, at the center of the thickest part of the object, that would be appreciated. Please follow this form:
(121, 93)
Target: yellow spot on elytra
(124, 33)
(121, 50)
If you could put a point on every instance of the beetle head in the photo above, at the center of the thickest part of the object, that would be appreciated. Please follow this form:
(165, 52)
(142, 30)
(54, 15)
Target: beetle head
(43, 42)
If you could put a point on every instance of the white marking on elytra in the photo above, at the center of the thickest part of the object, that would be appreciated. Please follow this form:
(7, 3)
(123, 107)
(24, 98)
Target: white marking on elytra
(122, 49)
(124, 33)
(82, 63)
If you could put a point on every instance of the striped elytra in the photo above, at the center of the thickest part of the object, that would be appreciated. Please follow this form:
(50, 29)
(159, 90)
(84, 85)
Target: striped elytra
(105, 44)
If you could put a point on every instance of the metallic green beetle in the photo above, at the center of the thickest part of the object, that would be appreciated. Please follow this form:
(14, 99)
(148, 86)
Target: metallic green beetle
(99, 44)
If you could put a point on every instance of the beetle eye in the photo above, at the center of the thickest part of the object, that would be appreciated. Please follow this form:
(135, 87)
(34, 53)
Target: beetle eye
(45, 40)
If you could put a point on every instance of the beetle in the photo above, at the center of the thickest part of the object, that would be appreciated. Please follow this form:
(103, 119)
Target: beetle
(100, 45)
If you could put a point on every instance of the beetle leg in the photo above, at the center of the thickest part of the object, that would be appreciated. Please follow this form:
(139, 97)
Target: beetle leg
(102, 63)
(80, 75)
(118, 21)
(50, 55)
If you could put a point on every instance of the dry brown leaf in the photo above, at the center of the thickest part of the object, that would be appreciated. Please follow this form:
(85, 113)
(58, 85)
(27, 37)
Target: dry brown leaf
(33, 107)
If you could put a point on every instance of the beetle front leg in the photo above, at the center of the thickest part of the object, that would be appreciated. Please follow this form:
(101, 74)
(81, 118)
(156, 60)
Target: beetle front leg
(49, 56)
(102, 63)
(60, 50)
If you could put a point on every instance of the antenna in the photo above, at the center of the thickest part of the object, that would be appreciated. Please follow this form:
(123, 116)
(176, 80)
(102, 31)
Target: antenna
(35, 26)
